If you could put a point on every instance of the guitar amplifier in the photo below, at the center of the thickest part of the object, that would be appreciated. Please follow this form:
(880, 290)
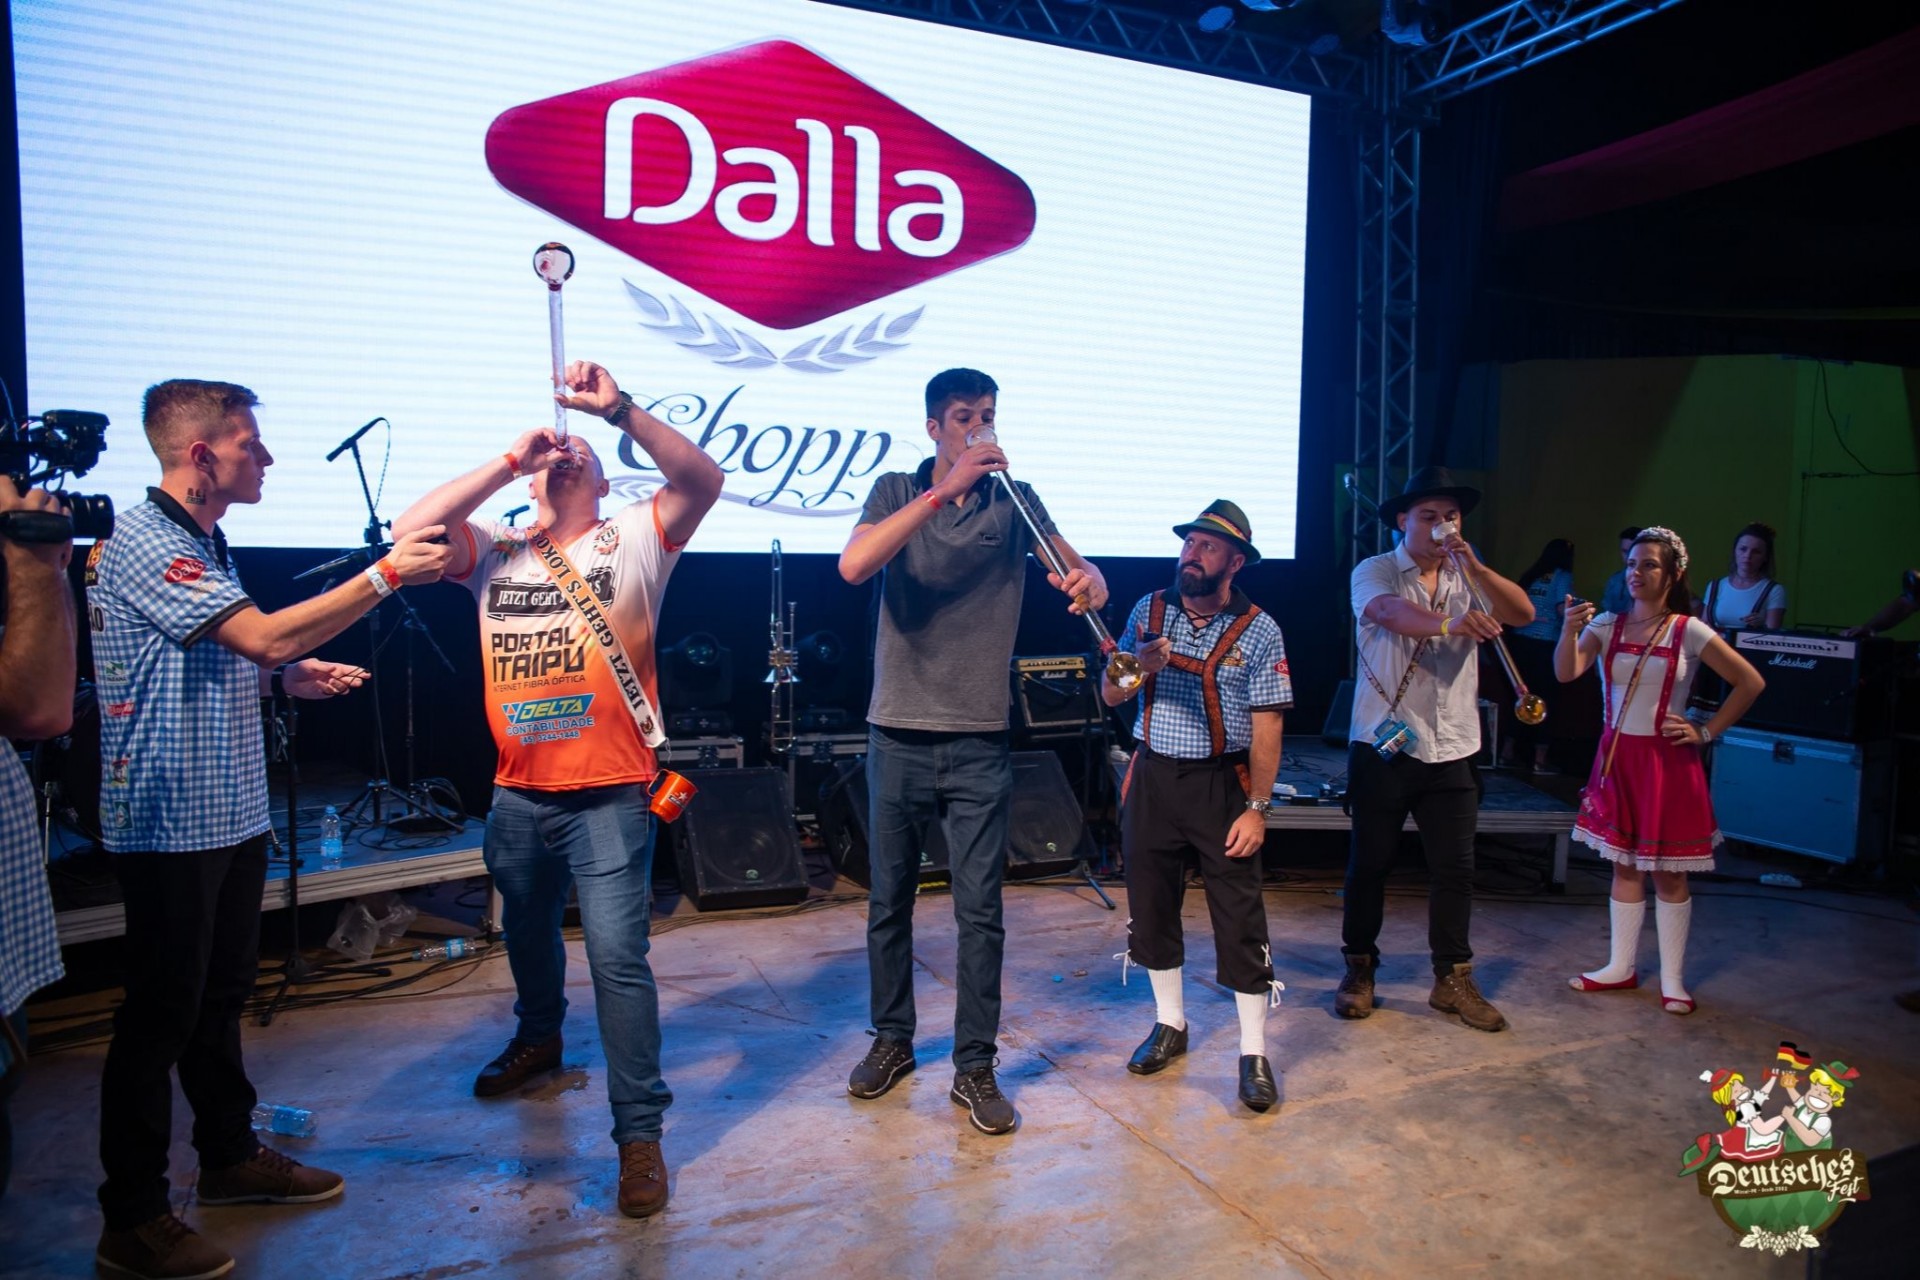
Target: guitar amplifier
(1056, 692)
(1822, 686)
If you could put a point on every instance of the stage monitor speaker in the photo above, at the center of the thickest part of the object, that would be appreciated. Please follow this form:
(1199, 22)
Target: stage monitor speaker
(1336, 732)
(735, 845)
(1046, 830)
(843, 826)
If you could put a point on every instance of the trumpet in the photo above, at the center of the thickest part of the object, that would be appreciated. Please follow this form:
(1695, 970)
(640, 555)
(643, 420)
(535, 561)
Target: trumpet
(1528, 707)
(1122, 668)
(781, 660)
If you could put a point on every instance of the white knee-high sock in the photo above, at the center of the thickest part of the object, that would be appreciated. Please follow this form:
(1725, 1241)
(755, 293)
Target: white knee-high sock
(1627, 919)
(1168, 1005)
(1672, 920)
(1253, 1021)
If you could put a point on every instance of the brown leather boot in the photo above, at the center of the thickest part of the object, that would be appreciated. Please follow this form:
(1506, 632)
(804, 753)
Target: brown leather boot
(643, 1179)
(162, 1248)
(518, 1063)
(1455, 992)
(1354, 999)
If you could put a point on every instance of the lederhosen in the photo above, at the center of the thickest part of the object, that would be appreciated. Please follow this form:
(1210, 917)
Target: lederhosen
(1174, 807)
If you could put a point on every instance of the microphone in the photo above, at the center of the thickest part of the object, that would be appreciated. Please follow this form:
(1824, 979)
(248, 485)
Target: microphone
(358, 557)
(518, 511)
(348, 443)
(1352, 487)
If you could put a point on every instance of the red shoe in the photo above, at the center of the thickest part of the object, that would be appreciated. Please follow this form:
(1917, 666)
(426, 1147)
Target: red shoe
(1676, 1005)
(1581, 982)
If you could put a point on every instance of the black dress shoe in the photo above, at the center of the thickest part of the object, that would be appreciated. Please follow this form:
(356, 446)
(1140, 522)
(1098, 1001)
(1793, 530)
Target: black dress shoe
(1257, 1089)
(1162, 1045)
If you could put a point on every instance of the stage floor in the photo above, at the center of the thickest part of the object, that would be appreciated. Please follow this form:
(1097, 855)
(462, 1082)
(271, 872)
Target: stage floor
(1404, 1145)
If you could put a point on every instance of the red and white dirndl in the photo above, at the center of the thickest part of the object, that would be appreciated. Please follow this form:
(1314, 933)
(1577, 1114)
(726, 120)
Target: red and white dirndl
(1646, 803)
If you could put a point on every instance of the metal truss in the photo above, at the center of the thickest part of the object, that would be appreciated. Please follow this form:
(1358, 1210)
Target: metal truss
(1510, 38)
(1145, 36)
(1388, 294)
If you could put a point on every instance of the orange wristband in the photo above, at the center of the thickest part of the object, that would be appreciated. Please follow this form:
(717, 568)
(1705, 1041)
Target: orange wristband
(387, 571)
(513, 464)
(933, 500)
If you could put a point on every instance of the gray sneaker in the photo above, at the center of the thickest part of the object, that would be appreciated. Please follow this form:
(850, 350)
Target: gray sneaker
(885, 1063)
(1454, 992)
(987, 1107)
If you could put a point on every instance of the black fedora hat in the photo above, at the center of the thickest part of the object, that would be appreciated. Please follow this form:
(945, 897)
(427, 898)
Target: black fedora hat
(1429, 482)
(1226, 520)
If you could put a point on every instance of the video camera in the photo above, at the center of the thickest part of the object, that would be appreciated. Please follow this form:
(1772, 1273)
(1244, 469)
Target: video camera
(60, 442)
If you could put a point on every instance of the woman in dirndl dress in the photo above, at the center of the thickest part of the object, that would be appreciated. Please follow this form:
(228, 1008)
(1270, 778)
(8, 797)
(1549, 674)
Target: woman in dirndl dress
(1645, 806)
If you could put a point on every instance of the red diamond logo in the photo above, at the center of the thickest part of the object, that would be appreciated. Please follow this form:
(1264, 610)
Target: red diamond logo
(766, 178)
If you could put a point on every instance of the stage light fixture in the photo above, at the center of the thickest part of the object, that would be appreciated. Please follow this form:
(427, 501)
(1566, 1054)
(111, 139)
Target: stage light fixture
(1215, 18)
(696, 684)
(1410, 22)
(827, 683)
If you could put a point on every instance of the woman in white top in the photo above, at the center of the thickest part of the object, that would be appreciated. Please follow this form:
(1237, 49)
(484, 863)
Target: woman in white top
(1748, 597)
(1646, 807)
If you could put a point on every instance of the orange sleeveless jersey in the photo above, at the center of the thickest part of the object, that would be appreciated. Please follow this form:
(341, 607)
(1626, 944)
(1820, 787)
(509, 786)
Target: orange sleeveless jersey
(557, 715)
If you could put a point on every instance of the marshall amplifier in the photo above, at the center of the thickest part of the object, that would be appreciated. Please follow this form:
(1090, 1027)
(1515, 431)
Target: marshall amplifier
(1056, 693)
(1822, 686)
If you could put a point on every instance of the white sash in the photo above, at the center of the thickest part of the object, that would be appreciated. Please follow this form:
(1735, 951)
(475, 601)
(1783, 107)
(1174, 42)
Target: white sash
(575, 591)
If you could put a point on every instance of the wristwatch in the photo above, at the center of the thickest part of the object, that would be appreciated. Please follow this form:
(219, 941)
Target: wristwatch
(1260, 807)
(619, 416)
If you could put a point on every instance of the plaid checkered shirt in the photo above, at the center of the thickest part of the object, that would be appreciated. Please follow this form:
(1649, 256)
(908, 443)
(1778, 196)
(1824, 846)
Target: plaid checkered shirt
(29, 947)
(182, 757)
(1253, 677)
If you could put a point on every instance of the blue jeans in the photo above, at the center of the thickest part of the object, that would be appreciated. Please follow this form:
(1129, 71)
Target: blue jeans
(600, 840)
(964, 782)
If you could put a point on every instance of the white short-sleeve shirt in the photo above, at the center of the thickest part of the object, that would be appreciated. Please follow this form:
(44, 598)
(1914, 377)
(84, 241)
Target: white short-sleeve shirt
(1732, 605)
(1641, 718)
(1441, 704)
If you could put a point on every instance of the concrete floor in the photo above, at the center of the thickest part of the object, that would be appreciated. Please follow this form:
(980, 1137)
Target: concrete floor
(1405, 1145)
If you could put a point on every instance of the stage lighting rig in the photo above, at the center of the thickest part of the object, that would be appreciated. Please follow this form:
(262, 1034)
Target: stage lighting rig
(1414, 23)
(696, 686)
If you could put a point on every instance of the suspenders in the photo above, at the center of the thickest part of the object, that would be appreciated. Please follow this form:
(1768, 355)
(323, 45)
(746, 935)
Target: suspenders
(1208, 671)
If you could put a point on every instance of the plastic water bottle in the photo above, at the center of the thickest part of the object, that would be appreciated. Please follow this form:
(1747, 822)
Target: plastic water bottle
(331, 849)
(291, 1122)
(451, 949)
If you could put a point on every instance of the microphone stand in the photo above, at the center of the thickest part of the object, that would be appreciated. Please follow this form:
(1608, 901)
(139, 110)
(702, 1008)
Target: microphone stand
(285, 720)
(416, 805)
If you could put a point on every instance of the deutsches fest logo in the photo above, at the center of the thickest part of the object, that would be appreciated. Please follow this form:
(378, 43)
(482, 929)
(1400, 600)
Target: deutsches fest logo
(1774, 1174)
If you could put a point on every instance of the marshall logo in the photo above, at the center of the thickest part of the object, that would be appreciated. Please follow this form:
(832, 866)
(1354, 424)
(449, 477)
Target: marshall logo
(766, 178)
(1799, 664)
(509, 599)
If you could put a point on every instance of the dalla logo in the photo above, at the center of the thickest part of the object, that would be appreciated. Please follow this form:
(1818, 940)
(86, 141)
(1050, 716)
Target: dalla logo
(1774, 1174)
(766, 178)
(770, 181)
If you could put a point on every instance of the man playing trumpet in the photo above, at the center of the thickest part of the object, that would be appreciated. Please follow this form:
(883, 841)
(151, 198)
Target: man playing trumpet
(1415, 731)
(951, 548)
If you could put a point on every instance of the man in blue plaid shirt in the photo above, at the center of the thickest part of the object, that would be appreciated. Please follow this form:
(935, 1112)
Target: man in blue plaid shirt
(1201, 783)
(36, 701)
(182, 656)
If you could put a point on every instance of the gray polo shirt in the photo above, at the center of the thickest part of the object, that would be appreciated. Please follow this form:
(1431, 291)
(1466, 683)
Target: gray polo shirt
(949, 604)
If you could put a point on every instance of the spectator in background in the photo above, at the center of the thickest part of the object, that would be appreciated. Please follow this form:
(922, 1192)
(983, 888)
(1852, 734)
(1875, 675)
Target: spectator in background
(1894, 612)
(1614, 597)
(1749, 597)
(1548, 582)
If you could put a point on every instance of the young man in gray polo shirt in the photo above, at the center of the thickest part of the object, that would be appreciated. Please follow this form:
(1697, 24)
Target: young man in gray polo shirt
(951, 550)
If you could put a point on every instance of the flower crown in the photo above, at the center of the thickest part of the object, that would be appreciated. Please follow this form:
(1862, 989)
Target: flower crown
(1660, 533)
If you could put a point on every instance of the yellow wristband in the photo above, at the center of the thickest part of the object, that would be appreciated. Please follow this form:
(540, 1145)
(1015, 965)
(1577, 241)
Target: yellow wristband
(1445, 623)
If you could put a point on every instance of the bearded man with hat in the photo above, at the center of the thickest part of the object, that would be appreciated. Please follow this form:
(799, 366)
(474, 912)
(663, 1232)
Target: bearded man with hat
(1414, 733)
(1200, 782)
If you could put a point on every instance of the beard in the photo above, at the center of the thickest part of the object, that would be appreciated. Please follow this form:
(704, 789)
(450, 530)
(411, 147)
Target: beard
(1190, 581)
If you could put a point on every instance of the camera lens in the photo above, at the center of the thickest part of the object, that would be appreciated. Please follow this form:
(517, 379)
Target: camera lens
(92, 515)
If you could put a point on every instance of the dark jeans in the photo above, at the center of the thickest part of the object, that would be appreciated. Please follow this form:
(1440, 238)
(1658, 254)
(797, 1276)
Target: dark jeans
(964, 782)
(600, 842)
(192, 952)
(1177, 806)
(11, 1073)
(1444, 800)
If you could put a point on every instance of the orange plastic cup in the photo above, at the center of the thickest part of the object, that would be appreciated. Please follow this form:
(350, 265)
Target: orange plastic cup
(670, 795)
